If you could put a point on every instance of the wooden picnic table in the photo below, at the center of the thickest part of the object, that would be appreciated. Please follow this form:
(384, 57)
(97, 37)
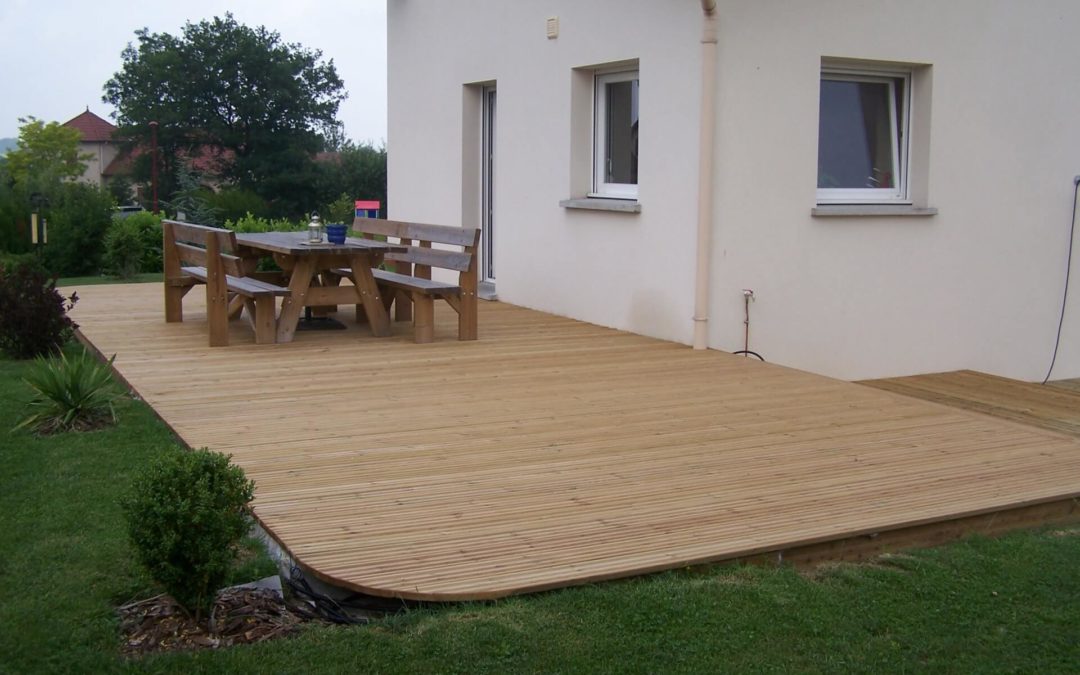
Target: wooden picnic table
(307, 266)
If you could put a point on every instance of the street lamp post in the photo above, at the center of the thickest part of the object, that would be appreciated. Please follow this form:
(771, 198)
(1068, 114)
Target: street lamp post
(39, 233)
(154, 162)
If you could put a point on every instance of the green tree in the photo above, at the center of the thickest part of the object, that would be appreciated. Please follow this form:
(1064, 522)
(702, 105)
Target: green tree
(45, 152)
(358, 171)
(36, 177)
(121, 189)
(241, 90)
(191, 201)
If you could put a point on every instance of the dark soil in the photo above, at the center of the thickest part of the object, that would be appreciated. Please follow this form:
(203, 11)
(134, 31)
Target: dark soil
(81, 424)
(239, 616)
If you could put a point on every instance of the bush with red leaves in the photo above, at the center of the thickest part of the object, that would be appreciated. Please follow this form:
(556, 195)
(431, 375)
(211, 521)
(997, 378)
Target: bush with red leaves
(33, 314)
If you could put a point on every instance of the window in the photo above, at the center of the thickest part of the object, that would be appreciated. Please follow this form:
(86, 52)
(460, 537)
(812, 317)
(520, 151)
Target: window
(863, 147)
(615, 134)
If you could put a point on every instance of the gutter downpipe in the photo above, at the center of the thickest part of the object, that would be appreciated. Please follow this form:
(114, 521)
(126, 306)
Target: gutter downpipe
(705, 174)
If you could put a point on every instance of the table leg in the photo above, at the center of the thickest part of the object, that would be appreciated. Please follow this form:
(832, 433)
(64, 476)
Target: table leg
(327, 279)
(378, 317)
(293, 305)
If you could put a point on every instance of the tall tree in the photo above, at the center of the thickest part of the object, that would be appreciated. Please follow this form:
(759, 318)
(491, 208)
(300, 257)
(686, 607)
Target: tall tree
(242, 90)
(45, 152)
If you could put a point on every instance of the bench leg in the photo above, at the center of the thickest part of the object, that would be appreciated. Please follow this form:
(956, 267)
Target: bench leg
(467, 312)
(402, 305)
(424, 318)
(263, 320)
(236, 306)
(174, 303)
(217, 315)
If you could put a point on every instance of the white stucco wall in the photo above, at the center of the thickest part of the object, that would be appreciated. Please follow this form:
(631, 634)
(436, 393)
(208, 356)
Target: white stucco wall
(977, 286)
(588, 265)
(99, 156)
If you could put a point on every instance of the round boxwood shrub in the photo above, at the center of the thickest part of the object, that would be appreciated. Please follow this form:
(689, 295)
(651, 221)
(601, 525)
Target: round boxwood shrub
(185, 515)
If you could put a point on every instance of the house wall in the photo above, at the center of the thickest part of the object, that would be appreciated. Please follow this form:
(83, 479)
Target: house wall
(978, 285)
(100, 156)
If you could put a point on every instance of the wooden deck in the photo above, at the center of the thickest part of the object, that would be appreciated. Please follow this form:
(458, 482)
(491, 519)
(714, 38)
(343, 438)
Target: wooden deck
(1071, 385)
(553, 452)
(1056, 408)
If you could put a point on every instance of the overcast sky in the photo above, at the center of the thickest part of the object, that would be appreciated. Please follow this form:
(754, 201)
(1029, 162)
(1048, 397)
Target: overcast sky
(56, 55)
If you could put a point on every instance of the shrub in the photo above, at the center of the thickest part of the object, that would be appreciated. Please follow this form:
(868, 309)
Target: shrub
(75, 394)
(133, 245)
(14, 216)
(250, 223)
(124, 249)
(341, 210)
(33, 314)
(185, 516)
(149, 226)
(11, 260)
(78, 216)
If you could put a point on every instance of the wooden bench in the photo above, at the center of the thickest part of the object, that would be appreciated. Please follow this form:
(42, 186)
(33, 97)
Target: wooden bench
(408, 284)
(197, 254)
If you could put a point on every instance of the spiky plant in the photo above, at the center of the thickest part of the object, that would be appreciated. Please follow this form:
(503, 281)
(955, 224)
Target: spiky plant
(70, 394)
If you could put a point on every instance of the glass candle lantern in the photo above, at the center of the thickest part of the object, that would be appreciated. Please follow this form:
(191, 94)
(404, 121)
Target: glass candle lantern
(315, 230)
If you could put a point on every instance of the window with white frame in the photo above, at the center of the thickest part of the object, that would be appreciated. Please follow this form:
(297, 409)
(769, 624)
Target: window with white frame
(615, 135)
(863, 134)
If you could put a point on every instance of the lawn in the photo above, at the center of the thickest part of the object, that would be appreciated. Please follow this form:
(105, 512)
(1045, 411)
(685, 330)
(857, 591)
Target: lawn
(143, 278)
(980, 605)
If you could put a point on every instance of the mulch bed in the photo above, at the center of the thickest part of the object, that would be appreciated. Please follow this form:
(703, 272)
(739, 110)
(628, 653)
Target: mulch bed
(239, 616)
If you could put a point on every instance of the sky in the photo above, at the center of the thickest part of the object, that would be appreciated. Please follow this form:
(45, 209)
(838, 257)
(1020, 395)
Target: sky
(56, 55)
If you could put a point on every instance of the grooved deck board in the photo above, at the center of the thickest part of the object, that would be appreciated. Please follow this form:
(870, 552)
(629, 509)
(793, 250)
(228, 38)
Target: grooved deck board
(1056, 408)
(552, 452)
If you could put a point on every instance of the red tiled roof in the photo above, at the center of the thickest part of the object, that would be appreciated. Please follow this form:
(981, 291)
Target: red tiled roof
(204, 159)
(120, 166)
(93, 128)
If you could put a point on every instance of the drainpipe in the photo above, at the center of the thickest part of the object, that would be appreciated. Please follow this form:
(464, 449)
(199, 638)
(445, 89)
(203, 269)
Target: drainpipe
(705, 173)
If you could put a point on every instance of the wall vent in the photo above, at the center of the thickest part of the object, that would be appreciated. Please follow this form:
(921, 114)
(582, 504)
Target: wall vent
(552, 27)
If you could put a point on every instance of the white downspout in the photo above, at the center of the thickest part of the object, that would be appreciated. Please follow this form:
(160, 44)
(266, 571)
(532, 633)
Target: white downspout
(706, 135)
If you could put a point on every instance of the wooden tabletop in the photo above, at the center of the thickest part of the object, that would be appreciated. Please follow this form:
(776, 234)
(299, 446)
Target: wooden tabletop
(294, 243)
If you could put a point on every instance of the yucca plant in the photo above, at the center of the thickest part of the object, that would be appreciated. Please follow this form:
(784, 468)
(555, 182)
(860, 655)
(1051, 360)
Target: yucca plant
(70, 394)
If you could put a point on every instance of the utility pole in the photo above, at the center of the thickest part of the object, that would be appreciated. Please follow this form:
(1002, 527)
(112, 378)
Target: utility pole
(154, 162)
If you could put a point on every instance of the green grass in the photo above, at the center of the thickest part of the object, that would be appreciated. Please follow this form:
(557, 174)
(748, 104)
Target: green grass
(980, 605)
(104, 279)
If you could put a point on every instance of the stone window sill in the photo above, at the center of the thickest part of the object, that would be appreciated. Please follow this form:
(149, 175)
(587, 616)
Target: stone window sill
(597, 204)
(870, 210)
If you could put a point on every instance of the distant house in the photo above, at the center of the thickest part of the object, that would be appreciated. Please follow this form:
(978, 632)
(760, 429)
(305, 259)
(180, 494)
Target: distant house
(97, 141)
(893, 181)
(109, 158)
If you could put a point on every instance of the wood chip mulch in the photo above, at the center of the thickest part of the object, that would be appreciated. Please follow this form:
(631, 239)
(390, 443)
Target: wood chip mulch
(239, 616)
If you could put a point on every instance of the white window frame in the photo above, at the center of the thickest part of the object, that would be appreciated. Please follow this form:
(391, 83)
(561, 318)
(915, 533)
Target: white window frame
(901, 137)
(601, 188)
